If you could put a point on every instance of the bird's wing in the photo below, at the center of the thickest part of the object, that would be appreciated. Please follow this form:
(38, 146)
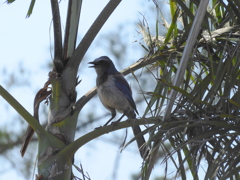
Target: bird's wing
(124, 87)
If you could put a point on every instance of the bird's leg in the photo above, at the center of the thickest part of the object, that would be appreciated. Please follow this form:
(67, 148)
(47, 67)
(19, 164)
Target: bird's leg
(115, 122)
(108, 121)
(120, 118)
(113, 111)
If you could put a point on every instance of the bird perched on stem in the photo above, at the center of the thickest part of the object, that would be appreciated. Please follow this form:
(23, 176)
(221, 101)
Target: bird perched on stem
(115, 94)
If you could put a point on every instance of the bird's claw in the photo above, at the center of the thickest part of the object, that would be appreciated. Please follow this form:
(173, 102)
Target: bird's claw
(114, 123)
(98, 128)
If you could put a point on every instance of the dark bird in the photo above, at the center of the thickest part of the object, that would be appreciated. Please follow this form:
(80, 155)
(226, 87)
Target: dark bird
(115, 94)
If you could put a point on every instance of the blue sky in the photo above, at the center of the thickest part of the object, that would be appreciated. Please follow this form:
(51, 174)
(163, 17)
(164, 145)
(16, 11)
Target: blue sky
(25, 43)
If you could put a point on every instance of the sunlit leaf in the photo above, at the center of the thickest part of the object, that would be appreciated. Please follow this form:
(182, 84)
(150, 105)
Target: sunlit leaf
(30, 9)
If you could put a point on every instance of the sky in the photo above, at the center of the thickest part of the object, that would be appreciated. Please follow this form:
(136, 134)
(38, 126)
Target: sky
(25, 50)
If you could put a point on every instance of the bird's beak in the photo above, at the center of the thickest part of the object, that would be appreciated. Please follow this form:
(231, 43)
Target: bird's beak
(93, 64)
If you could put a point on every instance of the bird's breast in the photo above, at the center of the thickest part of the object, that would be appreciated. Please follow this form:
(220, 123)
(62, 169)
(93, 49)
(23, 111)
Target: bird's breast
(111, 96)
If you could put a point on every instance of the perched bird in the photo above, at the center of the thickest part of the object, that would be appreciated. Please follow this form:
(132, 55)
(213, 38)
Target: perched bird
(115, 94)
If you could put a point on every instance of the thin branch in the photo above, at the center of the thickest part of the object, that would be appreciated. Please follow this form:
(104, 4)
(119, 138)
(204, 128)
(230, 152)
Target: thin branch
(74, 146)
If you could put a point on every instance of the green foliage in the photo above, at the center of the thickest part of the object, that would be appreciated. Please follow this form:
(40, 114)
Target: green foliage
(203, 128)
(202, 132)
(10, 1)
(30, 8)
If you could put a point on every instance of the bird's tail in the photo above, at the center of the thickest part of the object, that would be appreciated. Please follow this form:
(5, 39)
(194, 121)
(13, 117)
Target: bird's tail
(143, 149)
(27, 139)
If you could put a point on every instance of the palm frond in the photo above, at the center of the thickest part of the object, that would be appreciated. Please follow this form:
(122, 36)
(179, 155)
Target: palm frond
(203, 126)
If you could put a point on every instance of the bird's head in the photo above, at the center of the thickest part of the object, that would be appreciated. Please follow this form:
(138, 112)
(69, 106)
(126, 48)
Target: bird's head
(103, 65)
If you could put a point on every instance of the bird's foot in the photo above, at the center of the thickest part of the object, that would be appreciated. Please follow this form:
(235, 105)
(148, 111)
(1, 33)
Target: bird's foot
(114, 123)
(98, 128)
(128, 120)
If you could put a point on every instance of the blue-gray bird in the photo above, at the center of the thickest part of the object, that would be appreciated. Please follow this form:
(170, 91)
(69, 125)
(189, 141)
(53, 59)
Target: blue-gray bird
(115, 94)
